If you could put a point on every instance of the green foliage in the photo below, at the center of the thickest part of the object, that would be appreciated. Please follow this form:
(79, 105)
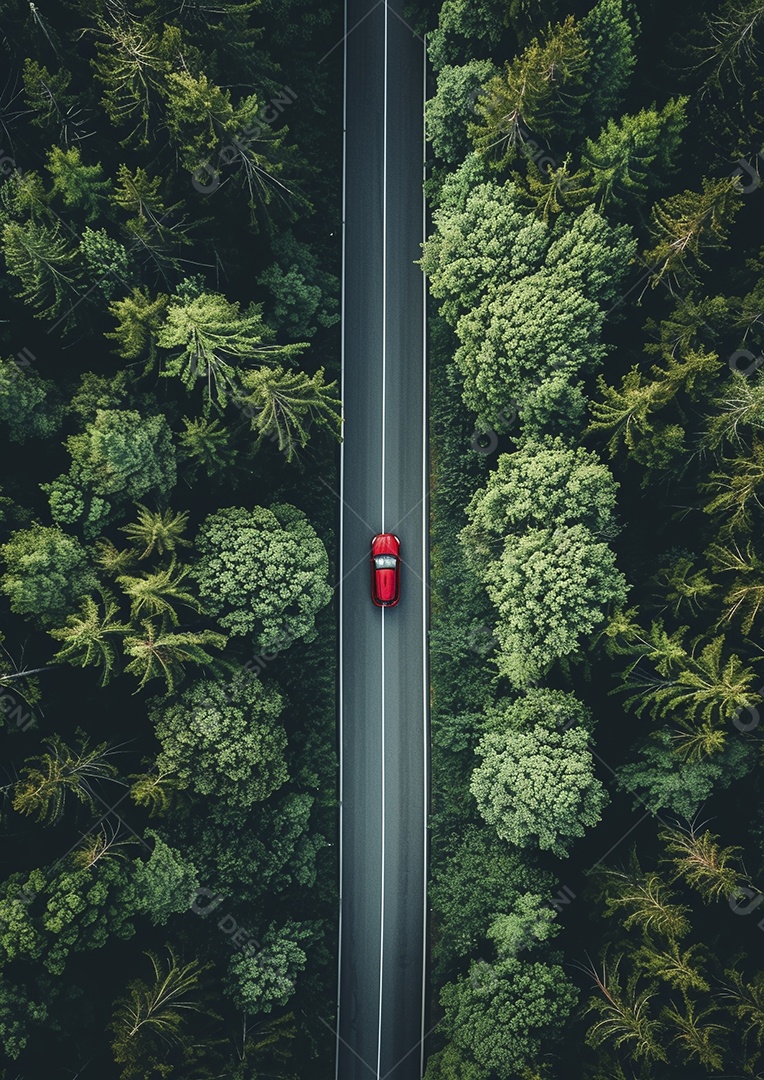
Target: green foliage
(304, 296)
(536, 781)
(205, 444)
(138, 321)
(156, 592)
(699, 860)
(285, 404)
(88, 637)
(166, 883)
(263, 571)
(150, 1020)
(448, 113)
(46, 570)
(156, 651)
(108, 263)
(120, 456)
(661, 780)
(541, 91)
(542, 482)
(41, 258)
(157, 531)
(636, 154)
(78, 185)
(260, 982)
(210, 332)
(55, 110)
(48, 778)
(499, 1017)
(610, 35)
(224, 739)
(689, 224)
(20, 1015)
(468, 29)
(481, 878)
(551, 588)
(28, 406)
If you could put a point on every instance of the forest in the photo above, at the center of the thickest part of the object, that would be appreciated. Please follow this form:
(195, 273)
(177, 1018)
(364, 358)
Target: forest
(170, 215)
(597, 409)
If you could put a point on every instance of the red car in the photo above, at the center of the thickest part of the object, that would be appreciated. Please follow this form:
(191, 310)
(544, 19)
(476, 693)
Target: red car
(385, 570)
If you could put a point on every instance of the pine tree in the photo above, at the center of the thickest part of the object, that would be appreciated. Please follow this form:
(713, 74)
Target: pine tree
(205, 444)
(635, 154)
(79, 185)
(157, 530)
(540, 92)
(695, 1035)
(41, 258)
(286, 403)
(745, 597)
(88, 637)
(699, 859)
(157, 592)
(152, 1016)
(690, 224)
(138, 321)
(736, 490)
(58, 772)
(210, 332)
(610, 37)
(158, 652)
(625, 1019)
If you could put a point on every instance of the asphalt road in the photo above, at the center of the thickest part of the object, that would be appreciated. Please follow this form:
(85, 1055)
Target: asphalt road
(383, 674)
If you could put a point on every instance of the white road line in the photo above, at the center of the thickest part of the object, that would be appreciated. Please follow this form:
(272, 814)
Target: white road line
(341, 554)
(382, 526)
(425, 664)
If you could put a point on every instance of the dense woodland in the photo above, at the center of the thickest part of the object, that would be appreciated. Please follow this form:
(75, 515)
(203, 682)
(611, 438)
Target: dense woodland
(169, 354)
(594, 262)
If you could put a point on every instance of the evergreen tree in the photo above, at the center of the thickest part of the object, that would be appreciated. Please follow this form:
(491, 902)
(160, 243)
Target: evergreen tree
(542, 92)
(286, 403)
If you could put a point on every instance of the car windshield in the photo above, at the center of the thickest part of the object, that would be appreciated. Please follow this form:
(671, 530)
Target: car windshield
(384, 562)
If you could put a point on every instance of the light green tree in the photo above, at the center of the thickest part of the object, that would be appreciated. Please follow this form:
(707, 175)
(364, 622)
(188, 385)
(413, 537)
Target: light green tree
(42, 259)
(158, 651)
(157, 531)
(285, 404)
(542, 92)
(156, 592)
(500, 1016)
(78, 185)
(139, 319)
(690, 224)
(224, 739)
(263, 572)
(46, 779)
(150, 1020)
(551, 588)
(46, 571)
(541, 482)
(536, 783)
(88, 638)
(206, 334)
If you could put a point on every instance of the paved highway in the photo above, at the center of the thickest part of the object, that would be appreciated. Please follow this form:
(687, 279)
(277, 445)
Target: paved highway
(383, 671)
